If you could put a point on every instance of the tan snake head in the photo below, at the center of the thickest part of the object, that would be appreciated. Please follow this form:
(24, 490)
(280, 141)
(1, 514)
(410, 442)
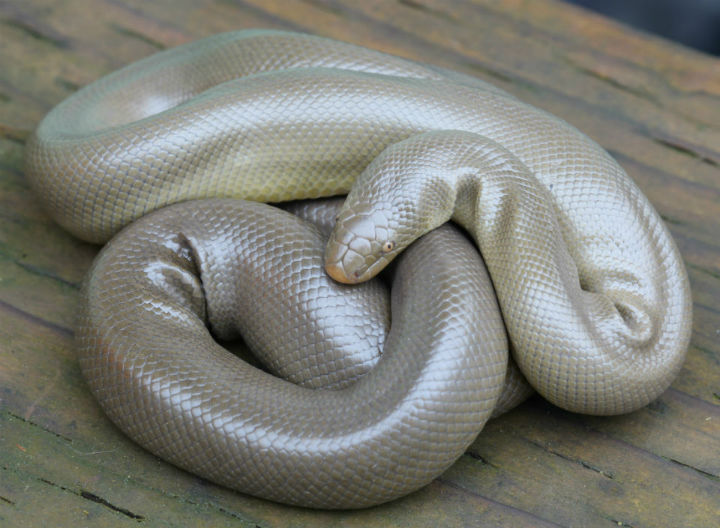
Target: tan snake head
(389, 207)
(361, 244)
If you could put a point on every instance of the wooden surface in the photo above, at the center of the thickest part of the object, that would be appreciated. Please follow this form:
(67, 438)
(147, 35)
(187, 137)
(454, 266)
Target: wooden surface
(655, 106)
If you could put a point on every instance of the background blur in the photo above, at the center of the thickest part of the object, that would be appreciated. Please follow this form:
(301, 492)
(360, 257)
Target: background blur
(695, 23)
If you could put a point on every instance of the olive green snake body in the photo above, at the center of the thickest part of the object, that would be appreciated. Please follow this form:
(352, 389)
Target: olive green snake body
(592, 288)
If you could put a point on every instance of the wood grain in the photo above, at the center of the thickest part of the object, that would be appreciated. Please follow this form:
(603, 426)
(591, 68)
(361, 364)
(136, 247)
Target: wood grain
(654, 105)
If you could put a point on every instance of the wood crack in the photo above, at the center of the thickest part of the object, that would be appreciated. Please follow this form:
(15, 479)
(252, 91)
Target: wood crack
(94, 498)
(66, 84)
(702, 472)
(621, 523)
(272, 19)
(414, 4)
(482, 459)
(502, 505)
(16, 135)
(611, 81)
(5, 499)
(44, 273)
(36, 33)
(333, 9)
(128, 32)
(626, 160)
(496, 74)
(67, 332)
(212, 505)
(586, 465)
(671, 219)
(714, 274)
(686, 149)
(34, 424)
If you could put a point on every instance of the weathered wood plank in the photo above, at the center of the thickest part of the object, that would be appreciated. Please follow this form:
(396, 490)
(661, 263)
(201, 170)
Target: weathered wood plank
(653, 104)
(600, 483)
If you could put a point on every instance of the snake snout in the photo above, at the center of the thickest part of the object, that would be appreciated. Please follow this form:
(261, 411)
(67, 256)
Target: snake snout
(354, 252)
(345, 257)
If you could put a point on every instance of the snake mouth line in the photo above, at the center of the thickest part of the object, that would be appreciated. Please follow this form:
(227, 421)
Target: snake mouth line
(337, 273)
(358, 270)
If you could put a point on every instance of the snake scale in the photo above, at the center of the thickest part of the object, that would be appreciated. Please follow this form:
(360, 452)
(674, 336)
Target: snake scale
(175, 151)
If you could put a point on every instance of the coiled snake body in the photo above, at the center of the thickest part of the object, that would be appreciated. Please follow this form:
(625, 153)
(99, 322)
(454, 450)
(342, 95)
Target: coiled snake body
(592, 288)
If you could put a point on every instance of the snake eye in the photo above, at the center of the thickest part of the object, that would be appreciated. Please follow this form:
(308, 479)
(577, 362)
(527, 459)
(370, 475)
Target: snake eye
(388, 246)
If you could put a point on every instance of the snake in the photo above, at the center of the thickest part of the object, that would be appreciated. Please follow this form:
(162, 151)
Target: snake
(169, 159)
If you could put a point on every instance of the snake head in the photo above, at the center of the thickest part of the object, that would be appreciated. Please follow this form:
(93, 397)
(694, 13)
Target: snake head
(361, 244)
(402, 195)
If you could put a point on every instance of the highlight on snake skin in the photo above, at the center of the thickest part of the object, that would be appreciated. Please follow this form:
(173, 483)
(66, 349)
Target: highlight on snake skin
(355, 395)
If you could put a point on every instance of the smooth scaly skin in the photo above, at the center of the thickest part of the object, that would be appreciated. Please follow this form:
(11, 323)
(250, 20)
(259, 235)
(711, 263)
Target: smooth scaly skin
(603, 335)
(304, 119)
(322, 214)
(250, 268)
(194, 122)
